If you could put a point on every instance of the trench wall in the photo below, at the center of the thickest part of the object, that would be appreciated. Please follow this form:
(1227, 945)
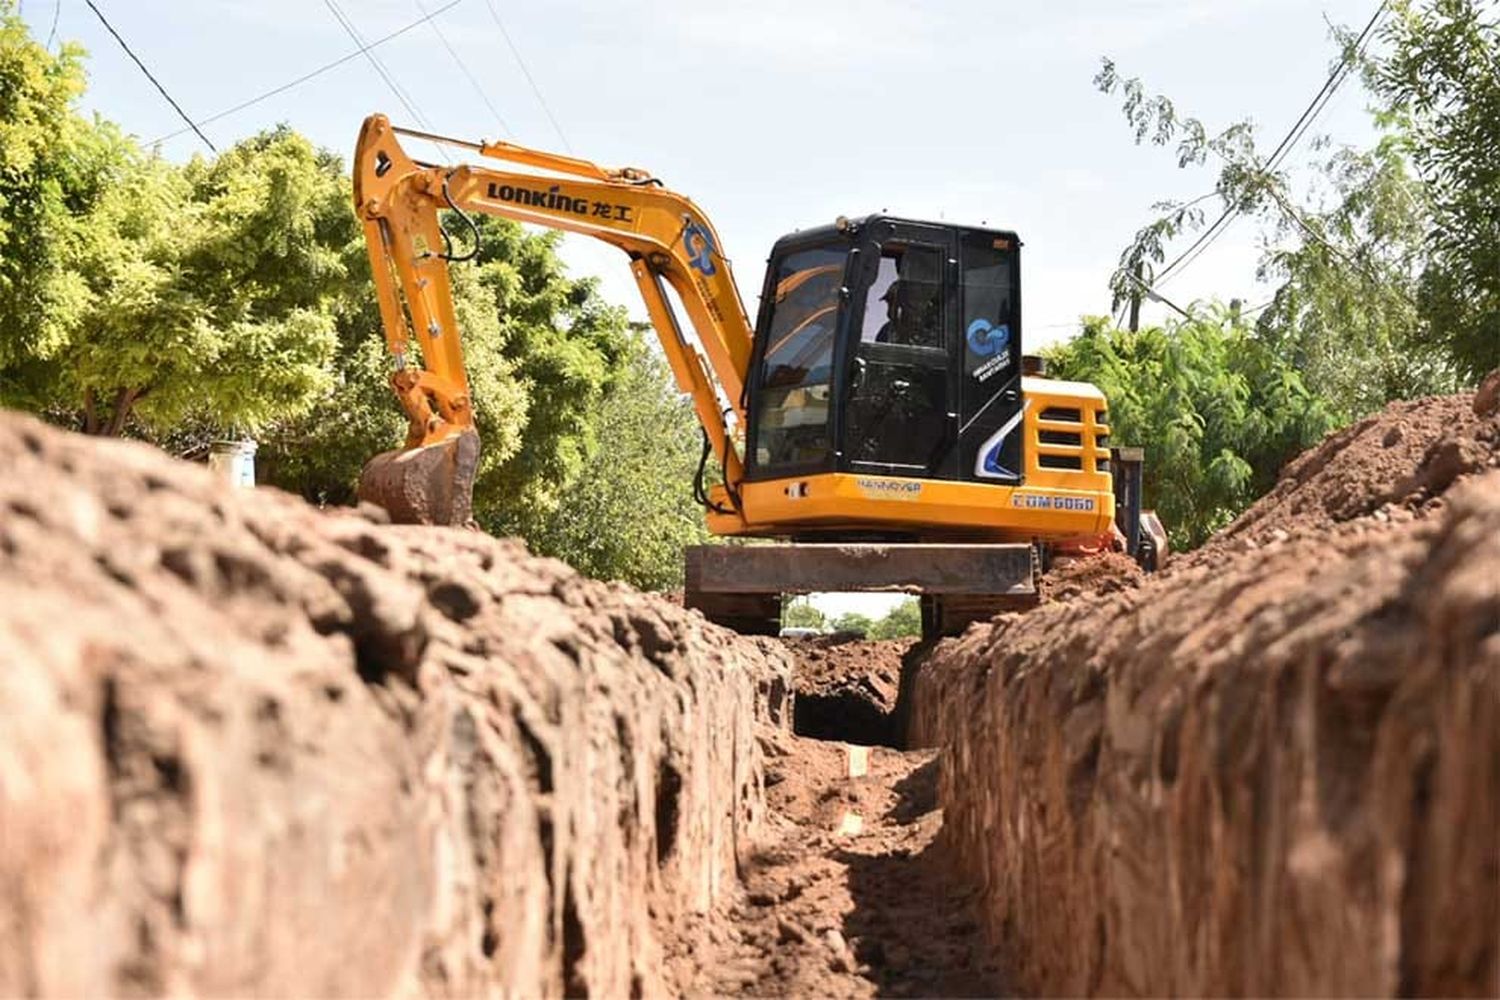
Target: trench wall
(253, 748)
(1272, 770)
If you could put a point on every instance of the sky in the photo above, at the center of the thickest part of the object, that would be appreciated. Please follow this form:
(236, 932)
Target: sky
(774, 115)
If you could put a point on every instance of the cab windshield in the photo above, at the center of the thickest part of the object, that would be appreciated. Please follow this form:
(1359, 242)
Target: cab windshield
(796, 371)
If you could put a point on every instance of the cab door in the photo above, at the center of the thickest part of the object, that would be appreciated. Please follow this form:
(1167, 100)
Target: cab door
(899, 417)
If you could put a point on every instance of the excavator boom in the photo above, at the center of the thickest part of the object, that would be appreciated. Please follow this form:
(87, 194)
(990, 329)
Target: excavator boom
(667, 239)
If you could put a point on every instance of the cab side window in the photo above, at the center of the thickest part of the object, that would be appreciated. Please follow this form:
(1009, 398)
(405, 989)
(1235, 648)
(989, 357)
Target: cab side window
(905, 304)
(988, 313)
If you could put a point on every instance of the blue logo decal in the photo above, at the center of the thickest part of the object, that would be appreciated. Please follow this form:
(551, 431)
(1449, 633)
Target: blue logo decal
(985, 338)
(992, 463)
(700, 248)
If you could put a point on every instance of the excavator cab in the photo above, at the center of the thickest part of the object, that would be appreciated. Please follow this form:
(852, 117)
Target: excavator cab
(888, 347)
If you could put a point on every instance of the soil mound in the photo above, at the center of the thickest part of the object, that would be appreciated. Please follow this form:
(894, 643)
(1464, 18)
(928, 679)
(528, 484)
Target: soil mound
(1405, 456)
(1273, 768)
(1069, 579)
(252, 748)
(846, 688)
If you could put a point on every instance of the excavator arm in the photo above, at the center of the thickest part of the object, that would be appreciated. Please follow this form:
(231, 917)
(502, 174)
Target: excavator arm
(667, 238)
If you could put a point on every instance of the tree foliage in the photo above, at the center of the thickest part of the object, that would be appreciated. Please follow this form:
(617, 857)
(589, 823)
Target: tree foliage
(1388, 279)
(1440, 85)
(1348, 320)
(1385, 268)
(225, 295)
(626, 511)
(853, 621)
(902, 621)
(130, 287)
(799, 612)
(565, 347)
(1218, 408)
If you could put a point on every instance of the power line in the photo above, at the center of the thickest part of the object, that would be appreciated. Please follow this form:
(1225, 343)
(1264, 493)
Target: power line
(1317, 237)
(326, 67)
(56, 13)
(1283, 149)
(1225, 221)
(483, 94)
(154, 81)
(527, 73)
(406, 100)
(374, 60)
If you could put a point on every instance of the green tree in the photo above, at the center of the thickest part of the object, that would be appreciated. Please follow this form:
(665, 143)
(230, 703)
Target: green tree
(798, 612)
(1348, 319)
(1440, 84)
(566, 347)
(230, 294)
(852, 621)
(904, 620)
(1218, 409)
(1345, 306)
(133, 288)
(55, 167)
(1388, 285)
(627, 511)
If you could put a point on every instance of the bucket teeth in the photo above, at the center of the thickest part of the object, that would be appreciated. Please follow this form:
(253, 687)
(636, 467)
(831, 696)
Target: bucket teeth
(430, 484)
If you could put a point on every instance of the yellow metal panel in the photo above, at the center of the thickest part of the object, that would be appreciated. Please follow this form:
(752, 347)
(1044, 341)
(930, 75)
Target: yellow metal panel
(837, 499)
(1052, 504)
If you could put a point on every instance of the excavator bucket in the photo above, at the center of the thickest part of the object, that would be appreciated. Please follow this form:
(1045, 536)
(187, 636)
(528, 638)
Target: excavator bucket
(430, 484)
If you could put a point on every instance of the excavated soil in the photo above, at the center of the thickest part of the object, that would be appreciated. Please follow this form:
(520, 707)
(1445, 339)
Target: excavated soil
(254, 749)
(1069, 579)
(850, 895)
(1272, 769)
(847, 689)
(1401, 459)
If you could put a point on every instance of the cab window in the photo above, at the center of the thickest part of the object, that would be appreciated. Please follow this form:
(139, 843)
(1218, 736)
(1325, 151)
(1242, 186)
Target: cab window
(905, 301)
(990, 341)
(796, 371)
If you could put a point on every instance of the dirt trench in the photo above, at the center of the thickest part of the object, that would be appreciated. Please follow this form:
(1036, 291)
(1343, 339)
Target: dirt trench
(850, 892)
(255, 748)
(252, 748)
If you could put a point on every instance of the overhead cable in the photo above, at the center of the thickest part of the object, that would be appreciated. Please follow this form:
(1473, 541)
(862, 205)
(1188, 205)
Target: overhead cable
(374, 60)
(547, 110)
(1283, 149)
(56, 13)
(464, 67)
(407, 101)
(154, 81)
(304, 78)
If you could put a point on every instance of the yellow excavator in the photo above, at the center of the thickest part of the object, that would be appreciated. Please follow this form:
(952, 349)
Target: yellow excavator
(879, 420)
